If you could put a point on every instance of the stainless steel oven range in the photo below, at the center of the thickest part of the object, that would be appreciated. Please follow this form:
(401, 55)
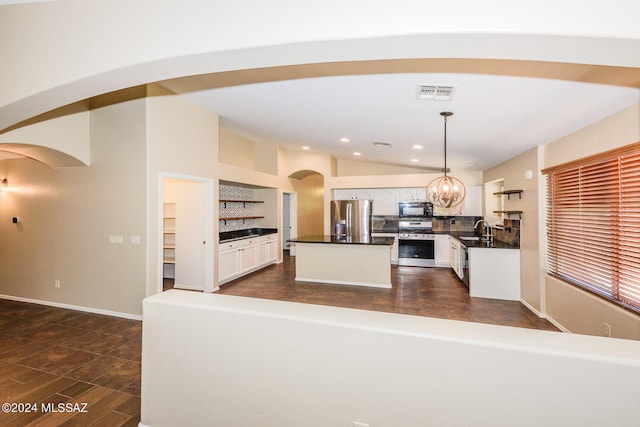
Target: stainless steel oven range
(416, 244)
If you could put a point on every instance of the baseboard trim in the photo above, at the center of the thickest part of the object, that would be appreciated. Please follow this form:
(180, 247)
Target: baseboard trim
(544, 316)
(533, 309)
(557, 325)
(73, 307)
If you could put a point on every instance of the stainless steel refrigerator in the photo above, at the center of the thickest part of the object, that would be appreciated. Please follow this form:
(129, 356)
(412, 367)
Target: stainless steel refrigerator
(351, 218)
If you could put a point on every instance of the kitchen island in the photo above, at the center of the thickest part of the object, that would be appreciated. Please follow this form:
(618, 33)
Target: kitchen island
(359, 261)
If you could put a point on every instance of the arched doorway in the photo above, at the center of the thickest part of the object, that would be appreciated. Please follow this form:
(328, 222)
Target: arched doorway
(309, 188)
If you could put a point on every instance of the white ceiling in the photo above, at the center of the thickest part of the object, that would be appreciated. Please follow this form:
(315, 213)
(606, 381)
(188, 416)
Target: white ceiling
(495, 117)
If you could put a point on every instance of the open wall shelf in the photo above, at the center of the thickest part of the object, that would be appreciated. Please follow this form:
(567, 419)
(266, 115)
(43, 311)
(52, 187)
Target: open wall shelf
(244, 202)
(509, 213)
(508, 193)
(239, 218)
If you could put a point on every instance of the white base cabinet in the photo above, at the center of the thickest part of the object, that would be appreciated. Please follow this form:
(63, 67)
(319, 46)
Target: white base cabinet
(454, 257)
(494, 273)
(229, 261)
(246, 255)
(268, 249)
(442, 249)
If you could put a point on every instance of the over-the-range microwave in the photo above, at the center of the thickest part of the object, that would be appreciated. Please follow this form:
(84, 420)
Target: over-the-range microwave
(415, 209)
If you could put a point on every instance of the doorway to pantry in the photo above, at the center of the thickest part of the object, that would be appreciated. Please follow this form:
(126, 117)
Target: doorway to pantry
(186, 233)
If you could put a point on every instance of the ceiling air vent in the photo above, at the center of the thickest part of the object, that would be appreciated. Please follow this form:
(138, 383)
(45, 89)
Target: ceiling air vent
(435, 92)
(378, 144)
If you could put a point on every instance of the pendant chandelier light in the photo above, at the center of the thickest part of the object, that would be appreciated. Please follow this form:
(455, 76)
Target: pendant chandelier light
(446, 191)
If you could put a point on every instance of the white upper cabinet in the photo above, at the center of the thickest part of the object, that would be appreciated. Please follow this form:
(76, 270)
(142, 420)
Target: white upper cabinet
(385, 201)
(471, 206)
(473, 201)
(412, 194)
(353, 194)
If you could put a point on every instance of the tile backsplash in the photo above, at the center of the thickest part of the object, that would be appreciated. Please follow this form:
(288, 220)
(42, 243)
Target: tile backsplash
(234, 209)
(510, 233)
(460, 224)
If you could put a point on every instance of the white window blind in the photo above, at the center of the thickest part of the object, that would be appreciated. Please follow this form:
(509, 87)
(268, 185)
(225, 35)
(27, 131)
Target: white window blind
(593, 224)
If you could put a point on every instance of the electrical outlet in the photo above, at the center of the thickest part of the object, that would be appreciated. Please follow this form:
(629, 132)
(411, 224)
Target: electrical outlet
(56, 284)
(607, 329)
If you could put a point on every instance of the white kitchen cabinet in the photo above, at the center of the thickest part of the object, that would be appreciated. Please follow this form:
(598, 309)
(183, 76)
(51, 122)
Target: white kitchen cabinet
(454, 257)
(385, 201)
(418, 194)
(470, 206)
(353, 194)
(473, 201)
(494, 273)
(249, 249)
(229, 261)
(267, 252)
(272, 251)
(245, 255)
(442, 249)
(342, 194)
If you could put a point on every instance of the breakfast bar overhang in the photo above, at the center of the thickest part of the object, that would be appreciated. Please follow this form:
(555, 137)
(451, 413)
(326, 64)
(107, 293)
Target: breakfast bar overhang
(359, 261)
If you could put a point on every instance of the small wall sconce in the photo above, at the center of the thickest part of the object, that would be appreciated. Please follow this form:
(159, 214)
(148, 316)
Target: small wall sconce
(4, 183)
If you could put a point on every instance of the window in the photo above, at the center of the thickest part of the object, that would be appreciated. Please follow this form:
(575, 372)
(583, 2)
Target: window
(593, 224)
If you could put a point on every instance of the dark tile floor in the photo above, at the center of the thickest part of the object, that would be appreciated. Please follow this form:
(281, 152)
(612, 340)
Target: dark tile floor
(54, 355)
(430, 292)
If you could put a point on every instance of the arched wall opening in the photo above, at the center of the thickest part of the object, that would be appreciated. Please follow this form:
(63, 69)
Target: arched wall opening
(309, 187)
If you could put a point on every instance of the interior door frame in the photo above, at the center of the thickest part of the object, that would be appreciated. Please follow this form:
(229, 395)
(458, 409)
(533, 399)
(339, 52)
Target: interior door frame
(209, 229)
(293, 220)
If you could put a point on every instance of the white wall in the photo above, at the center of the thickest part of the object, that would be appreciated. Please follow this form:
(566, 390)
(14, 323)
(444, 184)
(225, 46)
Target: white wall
(182, 141)
(512, 172)
(253, 362)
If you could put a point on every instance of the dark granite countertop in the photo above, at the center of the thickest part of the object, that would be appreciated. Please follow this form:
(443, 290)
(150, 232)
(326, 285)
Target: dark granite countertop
(349, 240)
(479, 243)
(227, 236)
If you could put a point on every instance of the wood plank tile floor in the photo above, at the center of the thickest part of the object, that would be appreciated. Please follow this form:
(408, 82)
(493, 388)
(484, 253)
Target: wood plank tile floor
(51, 356)
(430, 292)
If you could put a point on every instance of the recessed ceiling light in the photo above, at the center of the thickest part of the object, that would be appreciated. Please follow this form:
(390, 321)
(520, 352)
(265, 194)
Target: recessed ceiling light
(357, 153)
(304, 147)
(417, 147)
(414, 160)
(344, 140)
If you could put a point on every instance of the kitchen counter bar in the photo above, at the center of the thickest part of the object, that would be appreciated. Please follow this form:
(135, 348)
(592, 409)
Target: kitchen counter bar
(350, 261)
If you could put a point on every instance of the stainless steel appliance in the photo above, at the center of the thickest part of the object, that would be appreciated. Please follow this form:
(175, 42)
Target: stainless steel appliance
(464, 260)
(351, 218)
(415, 209)
(416, 244)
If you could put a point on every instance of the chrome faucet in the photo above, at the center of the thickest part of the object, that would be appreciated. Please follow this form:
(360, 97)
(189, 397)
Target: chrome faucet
(487, 227)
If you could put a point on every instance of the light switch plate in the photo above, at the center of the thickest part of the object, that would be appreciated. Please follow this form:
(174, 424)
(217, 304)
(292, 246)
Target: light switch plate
(115, 239)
